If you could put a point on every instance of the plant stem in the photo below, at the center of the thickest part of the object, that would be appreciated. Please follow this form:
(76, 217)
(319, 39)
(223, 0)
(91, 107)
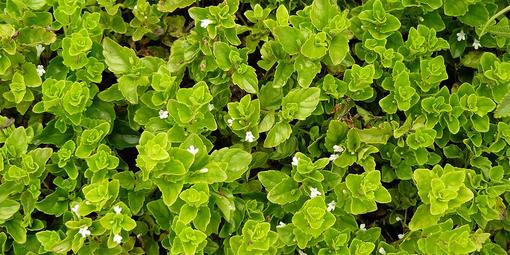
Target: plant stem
(494, 17)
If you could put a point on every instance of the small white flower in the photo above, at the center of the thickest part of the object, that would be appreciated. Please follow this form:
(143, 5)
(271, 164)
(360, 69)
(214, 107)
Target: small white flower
(398, 218)
(294, 161)
(84, 232)
(39, 49)
(281, 225)
(163, 114)
(337, 148)
(210, 107)
(400, 236)
(75, 209)
(314, 192)
(204, 170)
(145, 17)
(249, 137)
(461, 36)
(40, 70)
(193, 150)
(382, 250)
(135, 8)
(117, 238)
(476, 44)
(333, 157)
(205, 22)
(301, 252)
(230, 122)
(331, 206)
(117, 209)
(362, 227)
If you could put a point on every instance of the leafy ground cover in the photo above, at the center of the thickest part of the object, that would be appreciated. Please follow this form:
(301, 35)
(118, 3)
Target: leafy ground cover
(254, 127)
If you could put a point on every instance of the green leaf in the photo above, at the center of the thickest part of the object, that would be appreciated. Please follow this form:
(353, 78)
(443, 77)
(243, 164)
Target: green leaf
(503, 108)
(338, 48)
(290, 38)
(307, 70)
(282, 15)
(48, 239)
(8, 208)
(280, 132)
(222, 53)
(237, 161)
(314, 48)
(226, 206)
(322, 12)
(284, 192)
(17, 143)
(422, 218)
(476, 15)
(455, 8)
(160, 212)
(170, 190)
(271, 178)
(17, 231)
(187, 214)
(172, 5)
(300, 103)
(283, 72)
(246, 78)
(128, 86)
(120, 60)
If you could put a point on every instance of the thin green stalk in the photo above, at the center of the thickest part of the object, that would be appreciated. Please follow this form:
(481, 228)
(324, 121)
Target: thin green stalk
(494, 17)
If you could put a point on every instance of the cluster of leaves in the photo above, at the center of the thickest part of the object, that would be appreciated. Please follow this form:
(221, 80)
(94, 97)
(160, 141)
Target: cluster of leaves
(254, 127)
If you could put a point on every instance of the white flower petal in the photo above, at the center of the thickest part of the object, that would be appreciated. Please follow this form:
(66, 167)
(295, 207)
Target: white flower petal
(249, 137)
(204, 170)
(382, 250)
(476, 44)
(84, 232)
(314, 192)
(193, 150)
(117, 238)
(40, 70)
(400, 236)
(163, 114)
(331, 206)
(39, 49)
(333, 157)
(117, 209)
(75, 209)
(294, 161)
(461, 36)
(205, 23)
(338, 148)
